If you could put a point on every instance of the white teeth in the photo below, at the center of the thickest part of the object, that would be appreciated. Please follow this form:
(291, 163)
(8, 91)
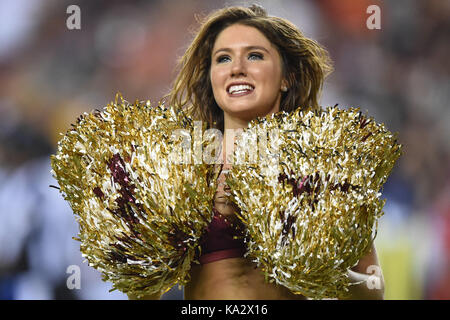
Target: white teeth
(239, 88)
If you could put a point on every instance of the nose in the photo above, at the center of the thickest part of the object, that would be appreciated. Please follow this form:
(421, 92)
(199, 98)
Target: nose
(238, 67)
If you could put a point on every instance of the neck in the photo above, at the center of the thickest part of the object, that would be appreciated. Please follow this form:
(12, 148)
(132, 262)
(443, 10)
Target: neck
(232, 128)
(234, 123)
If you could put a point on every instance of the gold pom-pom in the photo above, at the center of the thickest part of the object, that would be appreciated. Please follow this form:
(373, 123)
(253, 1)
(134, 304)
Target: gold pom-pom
(141, 209)
(311, 201)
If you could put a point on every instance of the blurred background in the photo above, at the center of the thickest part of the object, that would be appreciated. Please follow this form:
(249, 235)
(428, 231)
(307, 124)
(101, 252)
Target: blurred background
(49, 75)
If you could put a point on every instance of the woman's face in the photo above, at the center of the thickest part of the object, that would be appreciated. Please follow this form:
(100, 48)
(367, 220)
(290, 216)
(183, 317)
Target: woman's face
(246, 73)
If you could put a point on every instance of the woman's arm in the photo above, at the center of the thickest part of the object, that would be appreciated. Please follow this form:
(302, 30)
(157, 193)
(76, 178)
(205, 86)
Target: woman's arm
(369, 273)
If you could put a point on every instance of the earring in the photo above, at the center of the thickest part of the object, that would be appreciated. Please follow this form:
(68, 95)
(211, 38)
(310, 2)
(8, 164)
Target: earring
(284, 88)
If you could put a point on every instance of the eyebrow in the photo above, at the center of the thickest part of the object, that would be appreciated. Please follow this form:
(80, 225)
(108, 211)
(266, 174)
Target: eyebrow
(247, 48)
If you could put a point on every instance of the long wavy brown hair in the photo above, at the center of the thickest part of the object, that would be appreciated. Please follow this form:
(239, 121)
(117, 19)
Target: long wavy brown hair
(305, 63)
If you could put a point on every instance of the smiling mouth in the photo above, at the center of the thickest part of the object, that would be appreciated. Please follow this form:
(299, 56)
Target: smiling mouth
(240, 90)
(235, 95)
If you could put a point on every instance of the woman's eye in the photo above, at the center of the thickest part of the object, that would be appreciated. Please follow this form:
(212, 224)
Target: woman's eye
(222, 59)
(255, 55)
(251, 56)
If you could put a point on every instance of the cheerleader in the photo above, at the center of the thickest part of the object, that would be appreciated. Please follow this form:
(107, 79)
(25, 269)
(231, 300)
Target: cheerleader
(244, 64)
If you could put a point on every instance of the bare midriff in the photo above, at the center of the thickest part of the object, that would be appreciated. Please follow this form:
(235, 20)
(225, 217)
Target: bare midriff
(233, 279)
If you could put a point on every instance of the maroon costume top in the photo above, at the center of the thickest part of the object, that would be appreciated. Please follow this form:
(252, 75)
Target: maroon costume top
(223, 239)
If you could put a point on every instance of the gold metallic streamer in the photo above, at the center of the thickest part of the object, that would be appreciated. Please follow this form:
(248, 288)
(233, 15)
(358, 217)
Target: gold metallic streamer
(141, 211)
(311, 203)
